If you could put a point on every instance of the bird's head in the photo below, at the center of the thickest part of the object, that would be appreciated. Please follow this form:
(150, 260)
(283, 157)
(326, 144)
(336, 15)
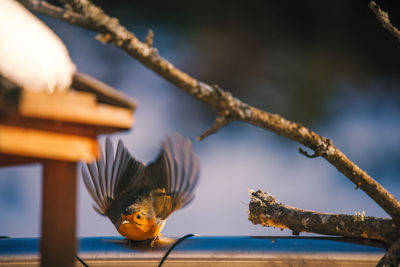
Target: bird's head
(137, 224)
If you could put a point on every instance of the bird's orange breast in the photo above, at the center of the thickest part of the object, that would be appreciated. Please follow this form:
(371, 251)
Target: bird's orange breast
(146, 229)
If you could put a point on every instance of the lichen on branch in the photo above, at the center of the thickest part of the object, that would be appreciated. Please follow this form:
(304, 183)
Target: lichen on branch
(264, 210)
(392, 256)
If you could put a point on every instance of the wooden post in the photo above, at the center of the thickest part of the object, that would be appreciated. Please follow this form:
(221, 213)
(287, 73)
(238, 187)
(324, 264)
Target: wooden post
(58, 243)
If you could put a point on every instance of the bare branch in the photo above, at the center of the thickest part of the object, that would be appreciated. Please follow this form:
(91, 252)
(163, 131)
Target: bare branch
(383, 17)
(225, 105)
(266, 211)
(392, 255)
(57, 12)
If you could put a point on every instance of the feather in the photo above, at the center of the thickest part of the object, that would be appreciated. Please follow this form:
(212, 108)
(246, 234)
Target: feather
(106, 179)
(109, 166)
(176, 170)
(100, 164)
(88, 183)
(129, 171)
(95, 180)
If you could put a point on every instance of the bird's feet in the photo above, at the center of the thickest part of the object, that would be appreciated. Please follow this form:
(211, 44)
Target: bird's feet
(155, 240)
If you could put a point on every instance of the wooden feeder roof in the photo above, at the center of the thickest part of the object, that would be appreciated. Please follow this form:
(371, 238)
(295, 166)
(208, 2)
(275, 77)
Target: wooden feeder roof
(60, 125)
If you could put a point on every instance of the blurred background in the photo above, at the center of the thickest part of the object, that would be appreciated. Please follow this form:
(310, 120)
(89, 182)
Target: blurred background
(326, 64)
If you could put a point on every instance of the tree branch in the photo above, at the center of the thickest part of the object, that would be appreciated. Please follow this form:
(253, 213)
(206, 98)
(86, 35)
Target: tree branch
(383, 17)
(57, 12)
(266, 211)
(225, 105)
(392, 256)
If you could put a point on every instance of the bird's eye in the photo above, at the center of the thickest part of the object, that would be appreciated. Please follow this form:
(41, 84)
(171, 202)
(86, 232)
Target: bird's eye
(138, 216)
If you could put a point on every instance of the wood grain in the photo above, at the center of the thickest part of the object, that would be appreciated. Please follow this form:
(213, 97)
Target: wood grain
(76, 107)
(58, 243)
(47, 145)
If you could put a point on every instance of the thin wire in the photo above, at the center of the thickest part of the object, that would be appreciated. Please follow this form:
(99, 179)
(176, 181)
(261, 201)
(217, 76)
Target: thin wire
(81, 261)
(162, 260)
(173, 246)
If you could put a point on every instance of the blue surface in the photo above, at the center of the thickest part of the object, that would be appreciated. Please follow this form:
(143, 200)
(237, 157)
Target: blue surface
(30, 246)
(19, 246)
(274, 244)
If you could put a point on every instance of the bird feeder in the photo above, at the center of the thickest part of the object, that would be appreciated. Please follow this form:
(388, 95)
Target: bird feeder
(51, 114)
(58, 130)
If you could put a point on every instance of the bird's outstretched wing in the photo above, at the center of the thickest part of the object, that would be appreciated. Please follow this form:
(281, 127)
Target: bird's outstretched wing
(108, 178)
(175, 172)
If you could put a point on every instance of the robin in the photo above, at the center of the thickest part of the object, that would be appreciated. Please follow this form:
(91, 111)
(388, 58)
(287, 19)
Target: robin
(139, 198)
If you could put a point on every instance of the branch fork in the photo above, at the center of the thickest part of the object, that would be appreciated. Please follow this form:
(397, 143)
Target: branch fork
(88, 15)
(228, 108)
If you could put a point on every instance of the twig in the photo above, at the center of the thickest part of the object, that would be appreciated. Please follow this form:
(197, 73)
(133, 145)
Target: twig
(58, 12)
(266, 211)
(225, 105)
(383, 17)
(150, 38)
(218, 124)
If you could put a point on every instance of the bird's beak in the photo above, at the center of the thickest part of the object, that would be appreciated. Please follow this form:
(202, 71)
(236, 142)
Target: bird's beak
(125, 221)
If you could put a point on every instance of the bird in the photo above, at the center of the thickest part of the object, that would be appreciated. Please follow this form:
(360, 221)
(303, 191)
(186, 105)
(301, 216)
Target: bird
(138, 198)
